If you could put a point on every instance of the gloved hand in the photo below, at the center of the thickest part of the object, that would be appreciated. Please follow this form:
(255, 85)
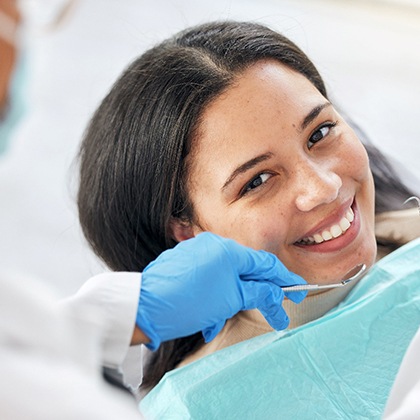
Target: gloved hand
(206, 280)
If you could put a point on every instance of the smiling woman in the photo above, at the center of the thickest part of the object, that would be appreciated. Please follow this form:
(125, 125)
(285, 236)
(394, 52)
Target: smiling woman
(284, 177)
(227, 128)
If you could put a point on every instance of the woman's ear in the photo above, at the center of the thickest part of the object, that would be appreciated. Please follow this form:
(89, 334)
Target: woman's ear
(181, 229)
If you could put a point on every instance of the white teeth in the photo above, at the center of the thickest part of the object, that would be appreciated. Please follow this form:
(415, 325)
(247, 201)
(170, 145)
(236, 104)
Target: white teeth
(336, 230)
(333, 232)
(344, 224)
(318, 238)
(326, 235)
(350, 215)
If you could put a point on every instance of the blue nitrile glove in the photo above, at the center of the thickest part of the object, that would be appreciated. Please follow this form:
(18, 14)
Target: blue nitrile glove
(206, 280)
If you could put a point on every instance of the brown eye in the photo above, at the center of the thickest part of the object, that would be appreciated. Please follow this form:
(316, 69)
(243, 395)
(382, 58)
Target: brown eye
(320, 133)
(256, 182)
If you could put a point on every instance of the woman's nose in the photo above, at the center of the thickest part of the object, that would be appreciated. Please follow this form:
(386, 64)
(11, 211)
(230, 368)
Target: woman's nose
(316, 185)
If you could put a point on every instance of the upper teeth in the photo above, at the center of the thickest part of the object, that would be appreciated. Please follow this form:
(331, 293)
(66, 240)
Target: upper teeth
(333, 232)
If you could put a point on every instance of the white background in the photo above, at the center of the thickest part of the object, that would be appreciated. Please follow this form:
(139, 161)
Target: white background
(367, 51)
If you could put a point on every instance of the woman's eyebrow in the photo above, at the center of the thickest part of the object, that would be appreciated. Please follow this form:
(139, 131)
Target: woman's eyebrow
(246, 167)
(313, 114)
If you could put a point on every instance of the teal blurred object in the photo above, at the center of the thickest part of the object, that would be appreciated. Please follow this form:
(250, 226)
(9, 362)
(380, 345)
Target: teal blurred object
(15, 107)
(341, 366)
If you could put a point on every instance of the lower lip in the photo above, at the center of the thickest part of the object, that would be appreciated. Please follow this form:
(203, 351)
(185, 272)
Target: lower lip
(339, 243)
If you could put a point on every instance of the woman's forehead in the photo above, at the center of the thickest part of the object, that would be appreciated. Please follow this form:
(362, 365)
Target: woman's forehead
(268, 104)
(266, 94)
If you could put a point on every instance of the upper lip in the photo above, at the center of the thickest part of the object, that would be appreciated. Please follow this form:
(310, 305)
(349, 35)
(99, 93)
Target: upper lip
(332, 219)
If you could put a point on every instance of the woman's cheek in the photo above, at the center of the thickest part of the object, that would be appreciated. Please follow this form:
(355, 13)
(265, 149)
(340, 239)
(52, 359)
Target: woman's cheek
(365, 171)
(261, 230)
(355, 155)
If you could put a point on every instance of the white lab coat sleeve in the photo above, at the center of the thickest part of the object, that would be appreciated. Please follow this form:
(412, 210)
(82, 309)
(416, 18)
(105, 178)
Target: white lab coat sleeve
(114, 297)
(404, 400)
(49, 358)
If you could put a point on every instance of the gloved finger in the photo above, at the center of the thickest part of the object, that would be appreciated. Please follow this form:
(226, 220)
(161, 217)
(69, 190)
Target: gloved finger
(261, 265)
(272, 309)
(268, 298)
(255, 265)
(256, 294)
(210, 333)
(296, 297)
(277, 318)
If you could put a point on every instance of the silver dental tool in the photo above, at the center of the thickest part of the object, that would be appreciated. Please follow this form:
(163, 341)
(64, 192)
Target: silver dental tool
(300, 287)
(413, 198)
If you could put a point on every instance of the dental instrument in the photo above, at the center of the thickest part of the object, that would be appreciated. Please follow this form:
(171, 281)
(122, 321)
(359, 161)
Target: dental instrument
(300, 287)
(414, 198)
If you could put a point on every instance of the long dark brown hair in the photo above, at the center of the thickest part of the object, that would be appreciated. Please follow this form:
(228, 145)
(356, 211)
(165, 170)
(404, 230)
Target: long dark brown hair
(132, 158)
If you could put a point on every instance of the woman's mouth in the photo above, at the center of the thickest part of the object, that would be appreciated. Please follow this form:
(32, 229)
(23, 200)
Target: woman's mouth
(332, 232)
(336, 236)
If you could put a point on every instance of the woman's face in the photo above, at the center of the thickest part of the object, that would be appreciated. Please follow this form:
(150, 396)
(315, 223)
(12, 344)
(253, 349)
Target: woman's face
(275, 167)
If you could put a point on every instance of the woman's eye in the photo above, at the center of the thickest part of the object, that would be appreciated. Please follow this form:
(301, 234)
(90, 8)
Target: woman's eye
(256, 182)
(320, 133)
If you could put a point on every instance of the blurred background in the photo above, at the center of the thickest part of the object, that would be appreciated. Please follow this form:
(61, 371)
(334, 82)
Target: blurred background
(72, 50)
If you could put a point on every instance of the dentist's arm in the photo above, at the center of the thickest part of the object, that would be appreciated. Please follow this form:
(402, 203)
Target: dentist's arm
(202, 282)
(111, 299)
(196, 286)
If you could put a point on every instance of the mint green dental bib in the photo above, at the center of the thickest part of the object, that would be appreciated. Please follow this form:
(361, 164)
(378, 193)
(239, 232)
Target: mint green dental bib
(341, 366)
